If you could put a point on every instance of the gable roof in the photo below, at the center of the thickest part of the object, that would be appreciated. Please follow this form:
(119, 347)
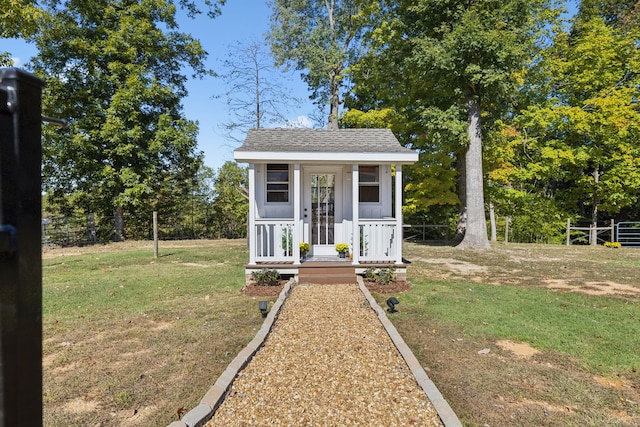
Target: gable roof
(322, 145)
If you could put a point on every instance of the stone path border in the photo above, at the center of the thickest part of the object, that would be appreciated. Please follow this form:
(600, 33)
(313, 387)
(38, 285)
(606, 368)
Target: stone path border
(202, 413)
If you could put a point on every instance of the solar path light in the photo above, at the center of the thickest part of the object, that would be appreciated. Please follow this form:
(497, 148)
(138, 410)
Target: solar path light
(262, 305)
(391, 303)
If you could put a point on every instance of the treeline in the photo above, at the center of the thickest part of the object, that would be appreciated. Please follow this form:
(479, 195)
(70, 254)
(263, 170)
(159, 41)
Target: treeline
(214, 208)
(514, 109)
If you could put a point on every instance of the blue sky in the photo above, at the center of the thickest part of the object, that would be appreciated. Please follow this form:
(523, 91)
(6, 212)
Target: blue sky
(242, 21)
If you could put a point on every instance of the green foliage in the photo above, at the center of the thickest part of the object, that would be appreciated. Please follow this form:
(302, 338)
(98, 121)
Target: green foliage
(19, 18)
(114, 73)
(437, 65)
(230, 205)
(579, 147)
(382, 276)
(266, 277)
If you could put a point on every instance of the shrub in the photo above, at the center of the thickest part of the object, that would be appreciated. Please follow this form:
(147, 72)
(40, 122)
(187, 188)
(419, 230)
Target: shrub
(385, 276)
(382, 276)
(266, 277)
(612, 245)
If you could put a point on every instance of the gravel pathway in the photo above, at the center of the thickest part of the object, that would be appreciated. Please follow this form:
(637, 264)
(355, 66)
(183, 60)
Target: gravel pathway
(327, 361)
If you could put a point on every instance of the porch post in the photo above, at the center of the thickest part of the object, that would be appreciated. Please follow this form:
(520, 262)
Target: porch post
(297, 195)
(252, 214)
(355, 197)
(398, 209)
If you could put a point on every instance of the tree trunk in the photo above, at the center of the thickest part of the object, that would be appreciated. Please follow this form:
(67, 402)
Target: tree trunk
(593, 239)
(462, 195)
(475, 236)
(118, 224)
(334, 101)
(492, 220)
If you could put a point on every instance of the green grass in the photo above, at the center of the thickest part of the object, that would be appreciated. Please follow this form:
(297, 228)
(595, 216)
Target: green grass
(133, 340)
(588, 370)
(602, 333)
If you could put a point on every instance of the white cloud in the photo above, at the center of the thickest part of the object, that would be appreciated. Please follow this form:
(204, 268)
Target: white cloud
(16, 61)
(299, 122)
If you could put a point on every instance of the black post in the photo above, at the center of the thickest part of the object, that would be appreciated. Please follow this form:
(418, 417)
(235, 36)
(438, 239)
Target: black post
(20, 249)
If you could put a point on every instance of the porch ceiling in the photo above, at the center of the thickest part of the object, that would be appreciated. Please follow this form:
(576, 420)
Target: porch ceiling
(321, 146)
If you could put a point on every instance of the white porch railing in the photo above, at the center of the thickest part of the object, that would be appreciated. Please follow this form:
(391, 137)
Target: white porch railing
(378, 240)
(274, 240)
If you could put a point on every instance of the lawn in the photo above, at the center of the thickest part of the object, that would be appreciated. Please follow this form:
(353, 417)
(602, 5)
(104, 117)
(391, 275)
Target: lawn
(517, 335)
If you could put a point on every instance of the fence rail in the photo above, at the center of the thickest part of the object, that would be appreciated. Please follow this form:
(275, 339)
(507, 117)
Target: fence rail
(426, 232)
(628, 233)
(591, 234)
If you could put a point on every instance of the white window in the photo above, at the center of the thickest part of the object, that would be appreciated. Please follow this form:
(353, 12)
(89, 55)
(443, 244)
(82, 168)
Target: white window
(369, 180)
(277, 183)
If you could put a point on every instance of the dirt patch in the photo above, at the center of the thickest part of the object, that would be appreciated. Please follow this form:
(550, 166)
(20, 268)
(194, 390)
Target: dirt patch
(520, 349)
(594, 288)
(79, 405)
(458, 266)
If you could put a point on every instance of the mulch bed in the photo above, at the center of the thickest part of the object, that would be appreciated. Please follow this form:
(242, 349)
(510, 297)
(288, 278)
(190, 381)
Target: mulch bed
(255, 290)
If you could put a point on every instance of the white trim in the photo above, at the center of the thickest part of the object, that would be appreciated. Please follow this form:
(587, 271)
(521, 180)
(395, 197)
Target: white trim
(297, 194)
(398, 209)
(252, 214)
(323, 157)
(355, 182)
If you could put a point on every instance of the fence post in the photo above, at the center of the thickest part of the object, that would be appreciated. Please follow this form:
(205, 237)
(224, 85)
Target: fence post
(568, 231)
(155, 234)
(613, 232)
(20, 249)
(506, 229)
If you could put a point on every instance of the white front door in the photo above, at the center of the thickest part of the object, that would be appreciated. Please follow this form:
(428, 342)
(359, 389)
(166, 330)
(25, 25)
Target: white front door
(322, 209)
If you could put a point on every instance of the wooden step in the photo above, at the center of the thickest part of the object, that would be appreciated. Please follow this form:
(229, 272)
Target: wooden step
(327, 274)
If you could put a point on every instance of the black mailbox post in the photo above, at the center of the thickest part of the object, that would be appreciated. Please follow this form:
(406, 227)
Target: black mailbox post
(20, 249)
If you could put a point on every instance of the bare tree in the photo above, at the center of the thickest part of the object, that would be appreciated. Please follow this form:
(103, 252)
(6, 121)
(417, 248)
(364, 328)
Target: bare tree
(256, 92)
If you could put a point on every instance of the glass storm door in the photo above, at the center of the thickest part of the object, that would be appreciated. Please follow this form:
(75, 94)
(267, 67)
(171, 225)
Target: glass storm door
(323, 194)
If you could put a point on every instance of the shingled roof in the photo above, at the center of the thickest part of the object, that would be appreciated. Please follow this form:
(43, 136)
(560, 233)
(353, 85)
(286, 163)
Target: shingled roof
(343, 145)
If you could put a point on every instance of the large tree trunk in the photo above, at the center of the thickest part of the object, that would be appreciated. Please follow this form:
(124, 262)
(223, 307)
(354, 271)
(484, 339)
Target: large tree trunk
(475, 236)
(462, 195)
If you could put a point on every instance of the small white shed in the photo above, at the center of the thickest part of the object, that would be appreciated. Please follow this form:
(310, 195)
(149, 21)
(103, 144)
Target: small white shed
(324, 187)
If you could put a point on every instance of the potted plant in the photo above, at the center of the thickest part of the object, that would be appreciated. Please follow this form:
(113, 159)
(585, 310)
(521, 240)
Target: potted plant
(304, 249)
(343, 250)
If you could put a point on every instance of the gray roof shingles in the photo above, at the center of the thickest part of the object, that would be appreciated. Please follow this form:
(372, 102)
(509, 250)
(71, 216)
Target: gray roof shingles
(322, 141)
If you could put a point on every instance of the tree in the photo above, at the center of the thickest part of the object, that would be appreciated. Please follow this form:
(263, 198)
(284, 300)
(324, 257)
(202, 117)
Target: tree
(463, 58)
(580, 146)
(256, 94)
(18, 19)
(113, 72)
(230, 205)
(321, 39)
